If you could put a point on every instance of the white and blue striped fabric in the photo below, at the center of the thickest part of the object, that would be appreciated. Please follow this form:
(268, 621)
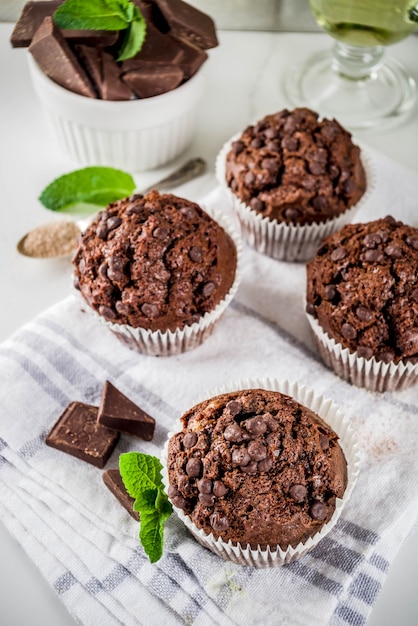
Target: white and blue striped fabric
(86, 544)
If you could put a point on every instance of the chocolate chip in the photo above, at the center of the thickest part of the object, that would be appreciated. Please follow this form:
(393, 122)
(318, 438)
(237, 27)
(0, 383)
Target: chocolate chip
(318, 510)
(364, 352)
(334, 171)
(257, 451)
(349, 186)
(172, 491)
(233, 433)
(121, 308)
(338, 254)
(256, 143)
(371, 240)
(255, 425)
(265, 465)
(208, 289)
(271, 165)
(196, 254)
(319, 203)
(394, 251)
(108, 313)
(412, 241)
(249, 178)
(240, 456)
(270, 133)
(273, 146)
(189, 440)
(373, 256)
(414, 295)
(207, 499)
(408, 342)
(329, 292)
(249, 468)
(298, 492)
(257, 205)
(179, 501)
(205, 485)
(233, 407)
(102, 269)
(364, 314)
(188, 212)
(219, 489)
(316, 168)
(193, 467)
(150, 310)
(348, 331)
(113, 222)
(160, 232)
(115, 269)
(270, 422)
(386, 356)
(237, 147)
(324, 441)
(101, 230)
(292, 213)
(310, 309)
(218, 522)
(290, 143)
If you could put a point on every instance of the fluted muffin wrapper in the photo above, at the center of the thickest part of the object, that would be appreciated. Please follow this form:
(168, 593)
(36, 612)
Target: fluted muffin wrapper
(170, 343)
(279, 240)
(276, 556)
(369, 373)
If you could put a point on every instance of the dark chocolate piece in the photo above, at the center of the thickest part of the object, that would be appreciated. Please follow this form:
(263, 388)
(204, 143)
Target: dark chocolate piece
(187, 22)
(192, 59)
(152, 79)
(118, 412)
(112, 88)
(113, 481)
(56, 59)
(32, 16)
(78, 433)
(157, 48)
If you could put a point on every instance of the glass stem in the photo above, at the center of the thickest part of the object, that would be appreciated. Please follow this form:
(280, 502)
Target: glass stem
(356, 62)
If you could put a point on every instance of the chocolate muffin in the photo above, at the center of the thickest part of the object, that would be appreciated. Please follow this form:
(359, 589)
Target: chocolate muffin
(295, 168)
(256, 468)
(155, 262)
(362, 287)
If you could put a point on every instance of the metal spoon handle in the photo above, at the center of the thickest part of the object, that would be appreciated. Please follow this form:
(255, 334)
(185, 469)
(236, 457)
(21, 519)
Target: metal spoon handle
(191, 169)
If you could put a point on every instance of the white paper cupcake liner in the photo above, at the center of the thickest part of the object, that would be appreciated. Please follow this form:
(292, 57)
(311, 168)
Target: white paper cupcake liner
(170, 343)
(369, 373)
(276, 557)
(287, 242)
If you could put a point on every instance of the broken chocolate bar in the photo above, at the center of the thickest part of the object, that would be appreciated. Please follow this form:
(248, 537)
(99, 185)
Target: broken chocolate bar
(187, 22)
(56, 59)
(113, 481)
(118, 412)
(153, 79)
(78, 433)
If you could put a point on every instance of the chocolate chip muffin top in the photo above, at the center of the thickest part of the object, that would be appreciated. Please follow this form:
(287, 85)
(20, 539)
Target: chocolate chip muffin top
(295, 168)
(362, 286)
(256, 467)
(157, 261)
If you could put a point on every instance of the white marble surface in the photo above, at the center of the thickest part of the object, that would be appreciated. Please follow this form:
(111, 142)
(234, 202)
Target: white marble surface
(244, 83)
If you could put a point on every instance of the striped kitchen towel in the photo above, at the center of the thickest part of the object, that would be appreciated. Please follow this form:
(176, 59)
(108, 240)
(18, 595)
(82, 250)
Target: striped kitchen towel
(86, 544)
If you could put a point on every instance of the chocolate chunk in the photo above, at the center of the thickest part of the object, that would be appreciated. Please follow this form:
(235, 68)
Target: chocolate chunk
(249, 468)
(192, 59)
(240, 456)
(329, 292)
(78, 433)
(219, 489)
(348, 331)
(111, 86)
(318, 510)
(257, 450)
(364, 314)
(56, 59)
(256, 425)
(298, 492)
(205, 485)
(150, 310)
(219, 522)
(412, 241)
(113, 481)
(292, 213)
(324, 441)
(257, 205)
(365, 352)
(233, 432)
(233, 407)
(187, 22)
(208, 289)
(237, 147)
(338, 254)
(265, 465)
(394, 251)
(150, 79)
(207, 499)
(374, 256)
(196, 254)
(118, 412)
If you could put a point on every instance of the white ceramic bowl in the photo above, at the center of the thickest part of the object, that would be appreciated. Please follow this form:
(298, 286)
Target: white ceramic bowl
(134, 135)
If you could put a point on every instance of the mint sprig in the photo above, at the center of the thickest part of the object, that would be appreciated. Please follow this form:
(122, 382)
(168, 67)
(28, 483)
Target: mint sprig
(105, 15)
(82, 191)
(141, 475)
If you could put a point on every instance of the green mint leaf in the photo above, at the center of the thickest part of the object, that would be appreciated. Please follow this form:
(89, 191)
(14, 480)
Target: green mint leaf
(133, 39)
(80, 189)
(141, 475)
(92, 15)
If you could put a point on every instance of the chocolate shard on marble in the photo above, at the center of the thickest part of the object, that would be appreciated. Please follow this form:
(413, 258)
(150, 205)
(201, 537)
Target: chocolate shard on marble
(32, 16)
(193, 58)
(153, 79)
(113, 481)
(187, 22)
(56, 59)
(78, 433)
(119, 412)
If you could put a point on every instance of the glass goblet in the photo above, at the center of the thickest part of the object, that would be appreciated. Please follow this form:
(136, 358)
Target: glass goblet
(357, 82)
